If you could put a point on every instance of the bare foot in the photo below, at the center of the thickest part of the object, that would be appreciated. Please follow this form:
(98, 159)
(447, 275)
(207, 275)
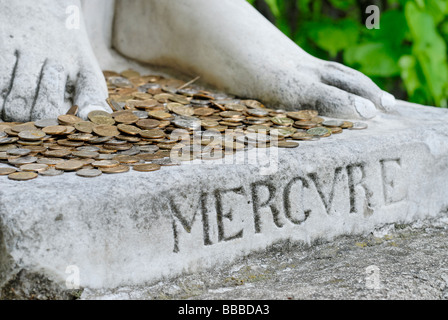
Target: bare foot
(230, 45)
(45, 67)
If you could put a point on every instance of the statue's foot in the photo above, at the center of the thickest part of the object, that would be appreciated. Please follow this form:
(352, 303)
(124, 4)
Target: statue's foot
(46, 67)
(230, 45)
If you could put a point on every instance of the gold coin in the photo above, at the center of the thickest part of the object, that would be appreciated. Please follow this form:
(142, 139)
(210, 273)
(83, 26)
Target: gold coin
(50, 161)
(118, 169)
(29, 126)
(7, 171)
(149, 167)
(336, 130)
(22, 160)
(203, 112)
(89, 173)
(98, 113)
(147, 124)
(126, 159)
(29, 143)
(149, 156)
(152, 134)
(132, 139)
(235, 107)
(282, 121)
(70, 143)
(180, 109)
(52, 172)
(230, 114)
(127, 118)
(287, 144)
(160, 115)
(305, 124)
(68, 119)
(22, 176)
(80, 137)
(105, 163)
(60, 153)
(37, 149)
(128, 129)
(84, 126)
(209, 123)
(32, 135)
(253, 104)
(347, 125)
(106, 131)
(303, 115)
(69, 130)
(70, 165)
(179, 99)
(34, 167)
(302, 136)
(85, 154)
(119, 147)
(103, 120)
(55, 130)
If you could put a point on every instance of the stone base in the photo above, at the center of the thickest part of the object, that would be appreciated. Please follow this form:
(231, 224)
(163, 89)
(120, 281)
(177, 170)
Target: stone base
(135, 228)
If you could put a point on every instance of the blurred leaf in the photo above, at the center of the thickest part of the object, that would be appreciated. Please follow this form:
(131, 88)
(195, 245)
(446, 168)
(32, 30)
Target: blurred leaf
(373, 59)
(430, 50)
(335, 36)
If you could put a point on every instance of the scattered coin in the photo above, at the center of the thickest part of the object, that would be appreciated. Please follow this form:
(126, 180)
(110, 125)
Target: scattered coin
(68, 119)
(34, 167)
(22, 160)
(333, 123)
(6, 171)
(359, 126)
(23, 176)
(52, 172)
(89, 173)
(116, 169)
(46, 123)
(19, 152)
(105, 164)
(32, 135)
(106, 131)
(54, 130)
(287, 144)
(319, 131)
(70, 165)
(147, 167)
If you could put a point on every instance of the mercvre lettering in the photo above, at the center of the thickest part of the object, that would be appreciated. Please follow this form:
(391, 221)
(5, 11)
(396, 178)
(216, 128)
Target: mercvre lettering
(245, 309)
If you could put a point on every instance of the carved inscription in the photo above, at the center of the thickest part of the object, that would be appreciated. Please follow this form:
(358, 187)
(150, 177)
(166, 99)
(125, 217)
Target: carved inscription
(273, 205)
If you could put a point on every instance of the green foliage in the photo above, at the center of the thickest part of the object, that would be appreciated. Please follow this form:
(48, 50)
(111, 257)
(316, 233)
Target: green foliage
(407, 55)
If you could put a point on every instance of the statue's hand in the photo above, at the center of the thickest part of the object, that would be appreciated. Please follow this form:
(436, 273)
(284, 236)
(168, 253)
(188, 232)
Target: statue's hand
(45, 67)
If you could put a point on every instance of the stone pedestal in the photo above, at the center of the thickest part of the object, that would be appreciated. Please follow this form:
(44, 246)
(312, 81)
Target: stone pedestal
(134, 228)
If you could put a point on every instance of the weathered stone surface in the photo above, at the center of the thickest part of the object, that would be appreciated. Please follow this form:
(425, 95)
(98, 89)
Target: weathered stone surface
(135, 228)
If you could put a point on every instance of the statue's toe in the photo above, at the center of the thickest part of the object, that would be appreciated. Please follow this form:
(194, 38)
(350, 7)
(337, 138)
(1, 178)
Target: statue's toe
(23, 88)
(50, 98)
(334, 102)
(355, 82)
(90, 93)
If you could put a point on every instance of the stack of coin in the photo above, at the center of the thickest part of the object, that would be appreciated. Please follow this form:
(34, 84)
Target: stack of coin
(154, 122)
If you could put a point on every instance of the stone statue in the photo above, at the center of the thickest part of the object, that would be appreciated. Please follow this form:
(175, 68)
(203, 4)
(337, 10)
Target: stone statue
(48, 62)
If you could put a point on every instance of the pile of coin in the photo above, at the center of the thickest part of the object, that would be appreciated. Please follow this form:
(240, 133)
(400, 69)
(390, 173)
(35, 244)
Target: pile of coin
(154, 122)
